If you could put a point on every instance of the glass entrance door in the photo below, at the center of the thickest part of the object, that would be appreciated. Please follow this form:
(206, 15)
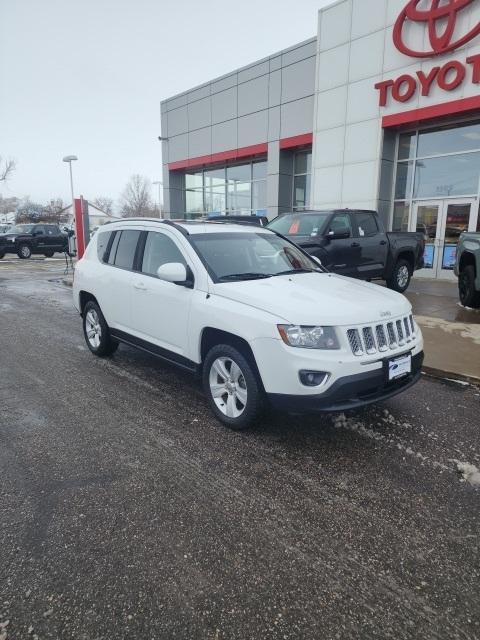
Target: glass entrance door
(442, 222)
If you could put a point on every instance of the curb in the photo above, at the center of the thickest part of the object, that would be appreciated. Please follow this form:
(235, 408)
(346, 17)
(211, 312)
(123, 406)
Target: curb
(439, 374)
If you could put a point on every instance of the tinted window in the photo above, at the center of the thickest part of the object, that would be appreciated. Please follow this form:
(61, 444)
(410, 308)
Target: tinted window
(300, 224)
(52, 230)
(102, 244)
(126, 248)
(340, 222)
(159, 249)
(367, 225)
(39, 230)
(113, 248)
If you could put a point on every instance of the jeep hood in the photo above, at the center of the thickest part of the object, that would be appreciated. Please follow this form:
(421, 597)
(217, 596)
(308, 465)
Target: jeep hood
(317, 298)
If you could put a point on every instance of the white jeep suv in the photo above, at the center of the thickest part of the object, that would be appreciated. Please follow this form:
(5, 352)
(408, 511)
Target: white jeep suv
(250, 312)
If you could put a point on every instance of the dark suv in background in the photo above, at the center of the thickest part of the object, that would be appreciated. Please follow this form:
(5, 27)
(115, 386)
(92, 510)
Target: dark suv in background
(28, 239)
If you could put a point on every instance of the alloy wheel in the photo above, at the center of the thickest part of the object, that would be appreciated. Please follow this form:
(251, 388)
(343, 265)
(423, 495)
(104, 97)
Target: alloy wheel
(402, 276)
(93, 328)
(228, 387)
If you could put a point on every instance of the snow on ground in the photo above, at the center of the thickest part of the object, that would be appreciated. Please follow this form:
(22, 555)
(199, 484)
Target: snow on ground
(469, 473)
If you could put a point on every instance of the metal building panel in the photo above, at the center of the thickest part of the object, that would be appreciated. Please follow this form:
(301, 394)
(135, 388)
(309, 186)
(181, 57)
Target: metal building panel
(253, 96)
(199, 114)
(296, 117)
(298, 80)
(224, 105)
(224, 136)
(177, 121)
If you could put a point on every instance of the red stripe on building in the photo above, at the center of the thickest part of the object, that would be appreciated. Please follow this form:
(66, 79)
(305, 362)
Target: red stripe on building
(429, 113)
(236, 154)
(223, 156)
(296, 141)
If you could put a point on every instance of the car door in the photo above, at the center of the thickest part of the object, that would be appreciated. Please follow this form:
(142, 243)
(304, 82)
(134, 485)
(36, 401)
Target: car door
(343, 253)
(115, 293)
(161, 309)
(55, 240)
(373, 245)
(39, 238)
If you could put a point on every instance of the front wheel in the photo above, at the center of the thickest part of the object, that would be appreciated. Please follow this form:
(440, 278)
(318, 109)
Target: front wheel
(469, 297)
(96, 331)
(48, 254)
(231, 387)
(400, 277)
(24, 252)
(2, 255)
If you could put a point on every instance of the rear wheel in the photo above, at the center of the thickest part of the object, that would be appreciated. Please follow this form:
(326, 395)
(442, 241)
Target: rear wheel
(231, 387)
(400, 277)
(2, 255)
(469, 297)
(24, 252)
(96, 331)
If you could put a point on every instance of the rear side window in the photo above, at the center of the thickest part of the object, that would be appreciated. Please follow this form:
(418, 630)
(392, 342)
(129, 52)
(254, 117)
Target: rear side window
(367, 225)
(127, 245)
(52, 230)
(159, 249)
(102, 245)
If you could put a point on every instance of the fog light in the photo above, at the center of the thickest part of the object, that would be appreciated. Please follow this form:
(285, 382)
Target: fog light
(313, 378)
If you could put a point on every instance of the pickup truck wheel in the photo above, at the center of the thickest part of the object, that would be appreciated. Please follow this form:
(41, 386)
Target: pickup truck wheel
(24, 252)
(49, 254)
(231, 387)
(96, 331)
(401, 276)
(466, 288)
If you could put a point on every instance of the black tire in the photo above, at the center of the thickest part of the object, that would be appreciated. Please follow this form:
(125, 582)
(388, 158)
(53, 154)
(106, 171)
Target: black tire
(106, 344)
(248, 384)
(401, 276)
(24, 252)
(2, 255)
(49, 254)
(469, 297)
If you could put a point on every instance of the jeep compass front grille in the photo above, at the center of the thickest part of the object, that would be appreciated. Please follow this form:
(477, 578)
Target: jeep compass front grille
(381, 337)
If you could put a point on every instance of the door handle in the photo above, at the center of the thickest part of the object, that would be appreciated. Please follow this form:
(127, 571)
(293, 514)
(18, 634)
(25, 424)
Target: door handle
(355, 244)
(140, 286)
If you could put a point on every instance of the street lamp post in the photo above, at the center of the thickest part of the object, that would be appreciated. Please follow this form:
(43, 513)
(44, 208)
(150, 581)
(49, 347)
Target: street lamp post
(160, 185)
(71, 159)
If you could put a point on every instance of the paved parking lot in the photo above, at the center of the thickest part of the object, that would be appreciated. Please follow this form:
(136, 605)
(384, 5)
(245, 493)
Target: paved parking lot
(126, 511)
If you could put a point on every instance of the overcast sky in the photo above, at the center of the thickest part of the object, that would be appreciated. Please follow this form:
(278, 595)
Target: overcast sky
(86, 77)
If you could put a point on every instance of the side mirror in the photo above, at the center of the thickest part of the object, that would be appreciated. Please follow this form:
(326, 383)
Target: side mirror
(342, 233)
(175, 272)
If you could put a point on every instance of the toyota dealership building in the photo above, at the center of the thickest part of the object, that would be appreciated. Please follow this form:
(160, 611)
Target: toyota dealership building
(381, 110)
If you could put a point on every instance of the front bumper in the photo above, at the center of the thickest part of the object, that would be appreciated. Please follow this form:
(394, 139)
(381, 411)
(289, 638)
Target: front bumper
(350, 392)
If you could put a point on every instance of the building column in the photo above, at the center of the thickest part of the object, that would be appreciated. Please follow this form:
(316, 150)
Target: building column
(279, 180)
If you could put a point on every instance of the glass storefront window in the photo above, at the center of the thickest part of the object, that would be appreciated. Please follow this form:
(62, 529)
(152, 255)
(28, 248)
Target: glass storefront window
(302, 180)
(259, 170)
(401, 216)
(194, 180)
(236, 189)
(449, 140)
(194, 201)
(404, 180)
(447, 176)
(406, 146)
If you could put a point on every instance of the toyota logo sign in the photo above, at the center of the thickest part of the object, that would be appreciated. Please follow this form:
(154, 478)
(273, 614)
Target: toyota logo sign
(441, 20)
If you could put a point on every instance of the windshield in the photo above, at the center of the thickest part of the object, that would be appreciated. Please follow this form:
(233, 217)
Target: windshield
(301, 224)
(250, 256)
(21, 228)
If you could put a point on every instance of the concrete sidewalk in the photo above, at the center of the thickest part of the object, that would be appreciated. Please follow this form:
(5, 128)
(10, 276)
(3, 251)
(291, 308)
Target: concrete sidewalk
(451, 332)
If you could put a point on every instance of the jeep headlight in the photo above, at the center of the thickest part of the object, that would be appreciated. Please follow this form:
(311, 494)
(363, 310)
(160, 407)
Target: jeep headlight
(308, 337)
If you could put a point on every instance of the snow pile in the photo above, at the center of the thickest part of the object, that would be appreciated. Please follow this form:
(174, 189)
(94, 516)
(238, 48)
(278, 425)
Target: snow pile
(470, 473)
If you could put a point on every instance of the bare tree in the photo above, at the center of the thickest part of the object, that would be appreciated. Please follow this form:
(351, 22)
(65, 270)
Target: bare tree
(7, 167)
(104, 204)
(136, 199)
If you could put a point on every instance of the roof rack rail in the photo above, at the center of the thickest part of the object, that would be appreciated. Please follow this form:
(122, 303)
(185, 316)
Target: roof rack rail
(170, 223)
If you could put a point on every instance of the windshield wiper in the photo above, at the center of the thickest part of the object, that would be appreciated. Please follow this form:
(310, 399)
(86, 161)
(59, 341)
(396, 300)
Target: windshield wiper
(245, 276)
(292, 271)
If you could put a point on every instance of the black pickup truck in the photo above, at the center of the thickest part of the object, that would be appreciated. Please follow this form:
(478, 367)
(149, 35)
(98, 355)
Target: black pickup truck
(354, 243)
(26, 239)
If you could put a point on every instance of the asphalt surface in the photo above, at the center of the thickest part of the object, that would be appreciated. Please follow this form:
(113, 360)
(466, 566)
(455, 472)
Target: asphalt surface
(127, 511)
